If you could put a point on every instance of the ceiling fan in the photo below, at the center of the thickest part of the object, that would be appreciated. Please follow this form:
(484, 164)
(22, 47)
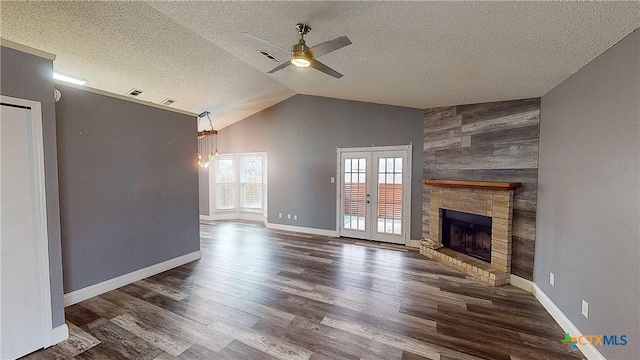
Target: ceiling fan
(305, 56)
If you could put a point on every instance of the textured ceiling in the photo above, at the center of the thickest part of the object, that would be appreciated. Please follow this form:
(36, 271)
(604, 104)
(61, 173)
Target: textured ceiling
(415, 54)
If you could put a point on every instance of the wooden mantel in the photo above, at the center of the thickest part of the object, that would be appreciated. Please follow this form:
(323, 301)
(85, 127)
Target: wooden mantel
(491, 185)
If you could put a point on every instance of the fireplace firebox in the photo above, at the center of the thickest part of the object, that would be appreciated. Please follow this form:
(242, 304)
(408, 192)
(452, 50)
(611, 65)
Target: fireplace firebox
(466, 233)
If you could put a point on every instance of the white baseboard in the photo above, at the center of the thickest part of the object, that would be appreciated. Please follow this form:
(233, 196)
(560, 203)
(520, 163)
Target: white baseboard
(588, 350)
(522, 283)
(79, 295)
(241, 215)
(59, 334)
(301, 229)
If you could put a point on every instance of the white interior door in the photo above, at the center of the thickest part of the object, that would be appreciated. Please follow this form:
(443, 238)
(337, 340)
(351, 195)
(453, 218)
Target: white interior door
(25, 313)
(375, 193)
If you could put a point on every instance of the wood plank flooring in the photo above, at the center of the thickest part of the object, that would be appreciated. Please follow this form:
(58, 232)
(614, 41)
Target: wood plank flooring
(263, 294)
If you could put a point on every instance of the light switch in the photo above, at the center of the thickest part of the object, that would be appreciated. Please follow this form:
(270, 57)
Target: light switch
(333, 180)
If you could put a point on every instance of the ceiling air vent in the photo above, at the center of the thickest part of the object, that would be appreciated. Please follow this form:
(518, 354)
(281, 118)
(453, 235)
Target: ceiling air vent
(133, 93)
(167, 102)
(269, 56)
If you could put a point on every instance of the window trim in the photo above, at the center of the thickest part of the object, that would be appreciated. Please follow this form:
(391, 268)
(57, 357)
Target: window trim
(241, 183)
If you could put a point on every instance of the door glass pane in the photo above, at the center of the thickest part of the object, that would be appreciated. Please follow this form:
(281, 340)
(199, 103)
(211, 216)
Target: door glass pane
(398, 165)
(389, 212)
(354, 194)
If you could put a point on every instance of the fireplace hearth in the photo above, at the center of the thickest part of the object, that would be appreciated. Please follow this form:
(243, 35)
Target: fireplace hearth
(466, 233)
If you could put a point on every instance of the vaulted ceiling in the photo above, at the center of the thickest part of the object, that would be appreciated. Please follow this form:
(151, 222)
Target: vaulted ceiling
(414, 54)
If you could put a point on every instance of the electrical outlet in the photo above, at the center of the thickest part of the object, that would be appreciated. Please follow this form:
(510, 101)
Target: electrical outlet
(585, 309)
(552, 279)
(465, 141)
(280, 215)
(289, 216)
(295, 217)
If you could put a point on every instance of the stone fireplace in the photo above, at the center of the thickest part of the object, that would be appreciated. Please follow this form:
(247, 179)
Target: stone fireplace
(476, 217)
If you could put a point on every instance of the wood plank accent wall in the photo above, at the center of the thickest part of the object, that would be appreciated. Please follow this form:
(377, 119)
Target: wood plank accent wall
(504, 147)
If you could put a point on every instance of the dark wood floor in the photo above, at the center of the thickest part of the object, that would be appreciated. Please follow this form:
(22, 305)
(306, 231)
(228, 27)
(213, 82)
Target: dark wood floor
(262, 294)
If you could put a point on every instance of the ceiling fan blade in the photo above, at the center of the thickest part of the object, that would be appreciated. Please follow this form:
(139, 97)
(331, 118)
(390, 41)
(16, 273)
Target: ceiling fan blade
(280, 67)
(324, 68)
(329, 46)
(266, 42)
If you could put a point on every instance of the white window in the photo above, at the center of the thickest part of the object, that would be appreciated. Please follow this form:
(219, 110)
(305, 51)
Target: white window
(225, 183)
(251, 182)
(240, 182)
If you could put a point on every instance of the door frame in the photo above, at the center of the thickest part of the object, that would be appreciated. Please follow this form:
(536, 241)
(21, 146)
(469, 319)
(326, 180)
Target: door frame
(406, 210)
(40, 210)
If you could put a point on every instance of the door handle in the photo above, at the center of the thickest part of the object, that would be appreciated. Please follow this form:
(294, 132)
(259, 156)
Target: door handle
(368, 195)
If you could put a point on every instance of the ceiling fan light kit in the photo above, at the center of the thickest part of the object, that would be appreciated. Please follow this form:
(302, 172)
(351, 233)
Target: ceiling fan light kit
(300, 61)
(299, 58)
(303, 56)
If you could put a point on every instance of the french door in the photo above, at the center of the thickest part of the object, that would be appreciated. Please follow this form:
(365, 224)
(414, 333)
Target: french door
(374, 193)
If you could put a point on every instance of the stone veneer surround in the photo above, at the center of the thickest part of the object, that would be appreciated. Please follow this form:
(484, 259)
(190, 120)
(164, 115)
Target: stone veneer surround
(495, 203)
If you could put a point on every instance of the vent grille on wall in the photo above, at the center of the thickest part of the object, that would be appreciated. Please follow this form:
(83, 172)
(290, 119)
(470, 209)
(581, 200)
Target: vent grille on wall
(133, 93)
(167, 102)
(269, 56)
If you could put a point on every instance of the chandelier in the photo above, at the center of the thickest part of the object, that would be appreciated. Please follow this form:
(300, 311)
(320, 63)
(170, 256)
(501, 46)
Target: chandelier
(207, 143)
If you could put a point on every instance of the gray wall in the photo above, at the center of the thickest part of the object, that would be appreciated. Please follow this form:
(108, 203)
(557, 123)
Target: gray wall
(504, 147)
(588, 196)
(300, 136)
(30, 77)
(128, 186)
(203, 185)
